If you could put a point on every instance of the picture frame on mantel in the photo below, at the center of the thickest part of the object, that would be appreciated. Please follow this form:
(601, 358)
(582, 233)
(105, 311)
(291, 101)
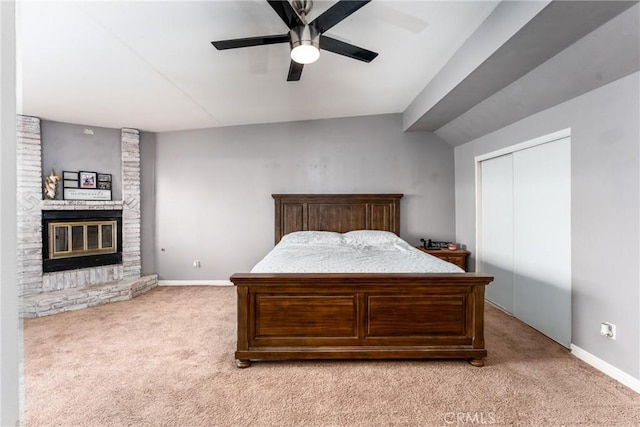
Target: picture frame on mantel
(70, 179)
(85, 194)
(87, 185)
(104, 181)
(88, 179)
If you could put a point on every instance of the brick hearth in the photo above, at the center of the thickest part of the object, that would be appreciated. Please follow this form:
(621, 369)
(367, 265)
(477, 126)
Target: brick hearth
(50, 293)
(54, 302)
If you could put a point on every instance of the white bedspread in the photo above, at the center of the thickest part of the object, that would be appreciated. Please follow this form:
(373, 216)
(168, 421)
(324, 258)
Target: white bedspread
(362, 251)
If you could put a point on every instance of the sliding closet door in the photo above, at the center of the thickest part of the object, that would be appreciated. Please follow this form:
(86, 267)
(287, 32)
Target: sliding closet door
(542, 238)
(496, 245)
(525, 235)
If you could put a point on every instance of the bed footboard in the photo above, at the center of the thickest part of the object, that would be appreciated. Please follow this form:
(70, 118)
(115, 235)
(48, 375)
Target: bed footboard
(360, 316)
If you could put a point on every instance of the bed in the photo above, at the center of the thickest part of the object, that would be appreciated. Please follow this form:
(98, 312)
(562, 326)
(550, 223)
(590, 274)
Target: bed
(338, 315)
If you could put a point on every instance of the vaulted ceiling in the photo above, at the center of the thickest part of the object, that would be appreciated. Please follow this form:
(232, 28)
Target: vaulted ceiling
(150, 64)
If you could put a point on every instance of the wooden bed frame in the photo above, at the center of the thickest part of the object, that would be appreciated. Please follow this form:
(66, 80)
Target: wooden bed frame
(297, 316)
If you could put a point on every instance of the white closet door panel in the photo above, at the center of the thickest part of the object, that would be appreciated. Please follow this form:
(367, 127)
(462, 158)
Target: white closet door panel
(542, 238)
(496, 243)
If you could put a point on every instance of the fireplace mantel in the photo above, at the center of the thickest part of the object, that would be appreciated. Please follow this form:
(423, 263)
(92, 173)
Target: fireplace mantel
(59, 205)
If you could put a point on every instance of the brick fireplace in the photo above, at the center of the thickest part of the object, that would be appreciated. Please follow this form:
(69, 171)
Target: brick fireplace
(43, 293)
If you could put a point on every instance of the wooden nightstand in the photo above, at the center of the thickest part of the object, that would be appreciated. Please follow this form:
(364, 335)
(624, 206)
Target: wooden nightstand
(457, 257)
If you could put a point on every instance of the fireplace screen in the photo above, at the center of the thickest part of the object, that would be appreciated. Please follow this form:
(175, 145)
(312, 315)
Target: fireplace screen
(72, 239)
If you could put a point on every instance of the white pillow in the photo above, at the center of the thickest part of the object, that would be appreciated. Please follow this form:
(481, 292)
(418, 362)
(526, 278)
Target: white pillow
(313, 238)
(371, 237)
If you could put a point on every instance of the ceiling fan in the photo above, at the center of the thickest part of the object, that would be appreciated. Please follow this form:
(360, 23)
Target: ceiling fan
(306, 38)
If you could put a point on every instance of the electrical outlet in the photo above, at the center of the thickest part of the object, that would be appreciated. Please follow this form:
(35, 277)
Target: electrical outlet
(608, 330)
(196, 264)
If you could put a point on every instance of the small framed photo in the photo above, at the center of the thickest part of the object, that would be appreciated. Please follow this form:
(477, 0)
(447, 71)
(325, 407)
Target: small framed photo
(70, 183)
(71, 176)
(104, 177)
(88, 179)
(104, 185)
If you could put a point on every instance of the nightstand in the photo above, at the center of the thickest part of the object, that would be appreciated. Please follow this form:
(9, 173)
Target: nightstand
(457, 257)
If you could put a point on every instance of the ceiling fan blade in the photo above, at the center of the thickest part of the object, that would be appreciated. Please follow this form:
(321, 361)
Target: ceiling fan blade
(250, 41)
(346, 49)
(336, 13)
(295, 71)
(286, 12)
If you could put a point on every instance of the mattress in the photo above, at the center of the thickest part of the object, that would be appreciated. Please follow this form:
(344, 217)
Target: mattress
(361, 251)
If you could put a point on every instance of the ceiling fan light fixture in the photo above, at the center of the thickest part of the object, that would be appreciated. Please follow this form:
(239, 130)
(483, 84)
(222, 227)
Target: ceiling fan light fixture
(304, 37)
(305, 46)
(305, 54)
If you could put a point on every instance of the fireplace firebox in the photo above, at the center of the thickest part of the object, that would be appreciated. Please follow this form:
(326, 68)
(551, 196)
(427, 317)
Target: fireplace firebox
(73, 239)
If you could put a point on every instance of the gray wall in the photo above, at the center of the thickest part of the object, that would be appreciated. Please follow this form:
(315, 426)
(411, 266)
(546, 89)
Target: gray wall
(66, 147)
(214, 186)
(148, 202)
(605, 135)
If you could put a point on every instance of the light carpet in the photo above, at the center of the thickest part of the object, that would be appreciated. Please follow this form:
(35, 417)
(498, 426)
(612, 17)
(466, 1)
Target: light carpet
(166, 359)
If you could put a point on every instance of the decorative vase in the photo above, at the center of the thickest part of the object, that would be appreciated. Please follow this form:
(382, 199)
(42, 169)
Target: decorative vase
(51, 185)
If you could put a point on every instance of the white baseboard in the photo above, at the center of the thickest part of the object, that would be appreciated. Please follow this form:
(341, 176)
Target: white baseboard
(601, 365)
(194, 283)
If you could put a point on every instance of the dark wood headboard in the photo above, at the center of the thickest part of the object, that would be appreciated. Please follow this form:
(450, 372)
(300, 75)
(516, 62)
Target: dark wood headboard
(336, 212)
